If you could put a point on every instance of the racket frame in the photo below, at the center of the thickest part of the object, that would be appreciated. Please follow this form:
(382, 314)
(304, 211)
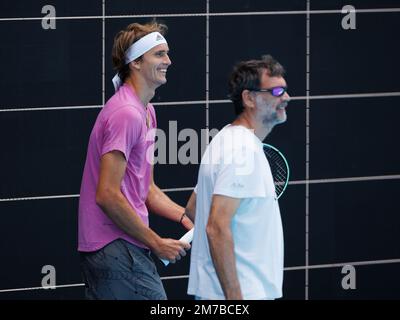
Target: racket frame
(286, 163)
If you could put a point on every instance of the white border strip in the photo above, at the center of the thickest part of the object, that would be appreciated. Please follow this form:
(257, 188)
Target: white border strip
(349, 179)
(64, 196)
(177, 189)
(353, 95)
(179, 103)
(103, 54)
(298, 182)
(194, 102)
(215, 14)
(342, 264)
(52, 108)
(44, 288)
(207, 69)
(307, 181)
(297, 268)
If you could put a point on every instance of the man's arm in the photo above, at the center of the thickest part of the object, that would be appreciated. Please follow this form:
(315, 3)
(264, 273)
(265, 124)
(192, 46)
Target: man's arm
(111, 200)
(159, 203)
(220, 239)
(190, 209)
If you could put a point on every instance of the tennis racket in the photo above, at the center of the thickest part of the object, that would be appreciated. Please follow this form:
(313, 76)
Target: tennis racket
(280, 173)
(279, 168)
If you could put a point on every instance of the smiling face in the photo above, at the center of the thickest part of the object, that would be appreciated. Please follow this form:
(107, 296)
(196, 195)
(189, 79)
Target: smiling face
(271, 110)
(153, 66)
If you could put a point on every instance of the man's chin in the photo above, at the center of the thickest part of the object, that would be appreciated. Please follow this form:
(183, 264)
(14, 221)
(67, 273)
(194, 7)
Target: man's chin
(160, 83)
(281, 120)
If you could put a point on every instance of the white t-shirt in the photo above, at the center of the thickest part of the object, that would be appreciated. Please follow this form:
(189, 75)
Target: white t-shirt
(234, 165)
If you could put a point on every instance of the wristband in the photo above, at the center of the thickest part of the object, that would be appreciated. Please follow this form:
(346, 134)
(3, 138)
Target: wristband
(184, 214)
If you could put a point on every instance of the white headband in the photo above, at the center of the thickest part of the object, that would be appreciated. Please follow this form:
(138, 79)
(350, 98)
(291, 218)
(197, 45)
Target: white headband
(137, 49)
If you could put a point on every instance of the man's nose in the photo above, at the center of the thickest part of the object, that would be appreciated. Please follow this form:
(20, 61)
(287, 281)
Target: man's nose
(286, 97)
(167, 60)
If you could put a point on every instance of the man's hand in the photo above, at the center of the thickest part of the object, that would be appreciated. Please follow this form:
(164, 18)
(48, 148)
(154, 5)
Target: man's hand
(170, 249)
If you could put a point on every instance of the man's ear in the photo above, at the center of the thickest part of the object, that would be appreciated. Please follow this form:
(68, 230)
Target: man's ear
(134, 65)
(248, 99)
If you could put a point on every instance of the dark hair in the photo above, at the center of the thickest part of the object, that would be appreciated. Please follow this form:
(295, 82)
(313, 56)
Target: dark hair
(124, 39)
(247, 74)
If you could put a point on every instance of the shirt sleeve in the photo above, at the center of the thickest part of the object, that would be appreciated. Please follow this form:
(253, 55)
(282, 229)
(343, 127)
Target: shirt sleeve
(122, 131)
(241, 175)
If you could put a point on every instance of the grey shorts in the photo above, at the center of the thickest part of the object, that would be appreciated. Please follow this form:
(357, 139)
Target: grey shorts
(121, 271)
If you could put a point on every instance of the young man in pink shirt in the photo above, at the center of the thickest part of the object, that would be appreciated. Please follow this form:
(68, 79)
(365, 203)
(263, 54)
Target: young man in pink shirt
(118, 189)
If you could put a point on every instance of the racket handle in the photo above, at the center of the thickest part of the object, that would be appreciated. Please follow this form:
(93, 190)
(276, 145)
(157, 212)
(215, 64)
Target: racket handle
(187, 237)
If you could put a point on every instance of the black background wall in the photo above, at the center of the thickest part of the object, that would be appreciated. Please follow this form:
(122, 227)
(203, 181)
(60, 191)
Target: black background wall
(341, 137)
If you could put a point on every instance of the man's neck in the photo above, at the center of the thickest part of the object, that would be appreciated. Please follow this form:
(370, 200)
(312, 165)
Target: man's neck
(142, 90)
(247, 120)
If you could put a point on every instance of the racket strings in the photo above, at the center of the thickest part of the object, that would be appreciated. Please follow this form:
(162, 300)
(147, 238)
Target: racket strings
(279, 169)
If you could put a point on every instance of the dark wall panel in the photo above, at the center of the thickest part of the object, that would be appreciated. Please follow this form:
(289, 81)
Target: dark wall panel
(120, 7)
(293, 285)
(256, 5)
(50, 68)
(35, 234)
(27, 9)
(354, 221)
(249, 37)
(372, 282)
(292, 207)
(358, 4)
(45, 152)
(183, 117)
(354, 137)
(354, 61)
(176, 289)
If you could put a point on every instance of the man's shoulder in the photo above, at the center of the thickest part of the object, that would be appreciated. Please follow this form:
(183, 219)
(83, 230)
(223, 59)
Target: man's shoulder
(234, 138)
(122, 98)
(120, 109)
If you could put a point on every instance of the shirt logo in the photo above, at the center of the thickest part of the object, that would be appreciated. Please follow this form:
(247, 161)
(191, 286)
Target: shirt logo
(237, 185)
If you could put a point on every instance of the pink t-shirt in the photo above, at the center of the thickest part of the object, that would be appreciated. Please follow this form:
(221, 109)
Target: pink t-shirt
(121, 125)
